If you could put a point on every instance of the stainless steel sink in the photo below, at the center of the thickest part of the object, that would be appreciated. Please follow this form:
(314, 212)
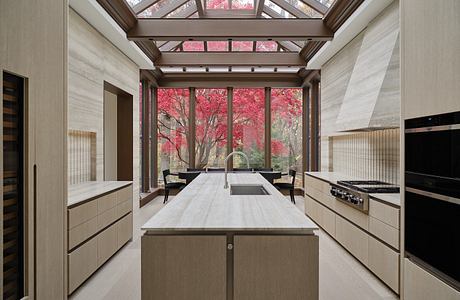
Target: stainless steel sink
(248, 189)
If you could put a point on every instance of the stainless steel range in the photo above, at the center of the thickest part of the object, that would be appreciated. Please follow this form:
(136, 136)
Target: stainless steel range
(356, 192)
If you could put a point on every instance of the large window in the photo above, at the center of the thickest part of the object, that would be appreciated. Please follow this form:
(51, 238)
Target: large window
(286, 127)
(173, 130)
(211, 128)
(249, 126)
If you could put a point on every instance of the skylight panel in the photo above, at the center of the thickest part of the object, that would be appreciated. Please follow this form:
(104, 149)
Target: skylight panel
(278, 10)
(310, 12)
(242, 46)
(217, 4)
(242, 4)
(193, 46)
(154, 8)
(266, 46)
(217, 46)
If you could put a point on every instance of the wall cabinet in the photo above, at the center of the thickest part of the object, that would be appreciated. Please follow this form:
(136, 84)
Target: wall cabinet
(98, 228)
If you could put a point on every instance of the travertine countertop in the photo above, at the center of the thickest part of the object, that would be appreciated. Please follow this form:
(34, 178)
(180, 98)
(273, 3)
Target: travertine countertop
(204, 205)
(84, 191)
(333, 177)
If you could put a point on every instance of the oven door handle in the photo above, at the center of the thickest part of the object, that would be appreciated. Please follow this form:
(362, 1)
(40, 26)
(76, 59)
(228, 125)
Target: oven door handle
(434, 195)
(433, 128)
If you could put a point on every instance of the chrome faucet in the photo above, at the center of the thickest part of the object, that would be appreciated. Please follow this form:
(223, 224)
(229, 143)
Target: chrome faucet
(226, 165)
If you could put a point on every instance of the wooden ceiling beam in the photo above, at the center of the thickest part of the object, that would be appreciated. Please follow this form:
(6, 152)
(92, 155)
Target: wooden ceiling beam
(230, 79)
(198, 59)
(259, 8)
(310, 49)
(339, 12)
(236, 29)
(199, 7)
(120, 12)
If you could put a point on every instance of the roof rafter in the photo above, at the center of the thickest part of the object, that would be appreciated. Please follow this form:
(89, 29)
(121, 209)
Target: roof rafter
(316, 5)
(200, 9)
(198, 59)
(259, 7)
(236, 29)
(143, 5)
(168, 8)
(290, 8)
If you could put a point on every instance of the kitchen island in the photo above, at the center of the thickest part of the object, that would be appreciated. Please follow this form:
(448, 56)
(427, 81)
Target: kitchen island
(209, 244)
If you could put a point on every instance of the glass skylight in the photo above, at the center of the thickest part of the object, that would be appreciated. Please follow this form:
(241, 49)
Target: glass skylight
(266, 46)
(242, 46)
(217, 46)
(278, 10)
(193, 46)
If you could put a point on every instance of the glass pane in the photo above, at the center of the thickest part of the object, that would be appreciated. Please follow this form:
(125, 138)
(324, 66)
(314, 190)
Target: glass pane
(177, 13)
(217, 4)
(249, 126)
(217, 46)
(211, 128)
(327, 3)
(193, 46)
(310, 12)
(266, 46)
(242, 4)
(173, 123)
(133, 2)
(242, 46)
(281, 12)
(286, 144)
(154, 8)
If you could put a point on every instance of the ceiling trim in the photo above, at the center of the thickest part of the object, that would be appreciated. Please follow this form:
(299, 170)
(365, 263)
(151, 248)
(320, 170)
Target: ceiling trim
(97, 16)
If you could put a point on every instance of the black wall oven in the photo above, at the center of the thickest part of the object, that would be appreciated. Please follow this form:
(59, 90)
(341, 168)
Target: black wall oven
(432, 194)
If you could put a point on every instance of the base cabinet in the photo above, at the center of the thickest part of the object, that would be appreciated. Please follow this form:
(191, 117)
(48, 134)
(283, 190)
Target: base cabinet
(276, 267)
(421, 285)
(255, 267)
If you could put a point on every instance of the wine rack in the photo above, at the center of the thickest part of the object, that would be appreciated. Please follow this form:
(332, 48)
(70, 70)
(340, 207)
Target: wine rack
(13, 204)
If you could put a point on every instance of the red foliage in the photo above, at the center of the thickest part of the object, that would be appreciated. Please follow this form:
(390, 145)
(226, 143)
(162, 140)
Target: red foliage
(211, 118)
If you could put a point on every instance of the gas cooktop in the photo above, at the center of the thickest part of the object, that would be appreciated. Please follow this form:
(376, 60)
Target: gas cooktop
(370, 186)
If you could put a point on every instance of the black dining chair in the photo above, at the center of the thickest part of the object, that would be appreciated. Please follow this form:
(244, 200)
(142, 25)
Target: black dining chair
(242, 170)
(288, 185)
(177, 185)
(194, 170)
(263, 169)
(217, 170)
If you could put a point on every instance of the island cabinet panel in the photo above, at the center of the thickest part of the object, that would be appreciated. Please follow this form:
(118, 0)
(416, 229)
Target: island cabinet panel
(178, 267)
(276, 267)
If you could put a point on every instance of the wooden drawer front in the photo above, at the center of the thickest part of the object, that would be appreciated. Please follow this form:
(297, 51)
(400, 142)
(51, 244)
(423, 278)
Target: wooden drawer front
(384, 232)
(124, 230)
(384, 262)
(359, 218)
(124, 208)
(106, 244)
(107, 217)
(325, 199)
(106, 202)
(82, 263)
(385, 213)
(321, 215)
(311, 182)
(82, 232)
(352, 238)
(82, 213)
(125, 194)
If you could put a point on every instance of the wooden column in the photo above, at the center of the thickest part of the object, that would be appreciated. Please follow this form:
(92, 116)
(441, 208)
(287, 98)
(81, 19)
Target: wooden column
(305, 130)
(154, 141)
(230, 126)
(191, 127)
(145, 135)
(314, 126)
(268, 128)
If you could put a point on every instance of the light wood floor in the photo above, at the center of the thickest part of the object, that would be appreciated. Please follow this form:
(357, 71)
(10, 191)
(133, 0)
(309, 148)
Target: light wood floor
(341, 276)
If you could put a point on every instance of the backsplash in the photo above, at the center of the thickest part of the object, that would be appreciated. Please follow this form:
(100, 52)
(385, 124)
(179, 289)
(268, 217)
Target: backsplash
(370, 155)
(81, 156)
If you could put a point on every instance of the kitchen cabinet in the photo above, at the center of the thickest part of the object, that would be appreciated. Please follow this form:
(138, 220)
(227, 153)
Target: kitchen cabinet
(421, 285)
(373, 237)
(100, 223)
(293, 278)
(184, 267)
